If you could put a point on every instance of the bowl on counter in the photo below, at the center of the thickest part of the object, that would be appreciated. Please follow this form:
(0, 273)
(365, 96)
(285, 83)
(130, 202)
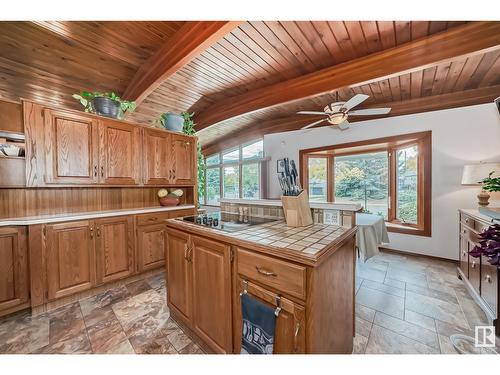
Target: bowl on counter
(169, 201)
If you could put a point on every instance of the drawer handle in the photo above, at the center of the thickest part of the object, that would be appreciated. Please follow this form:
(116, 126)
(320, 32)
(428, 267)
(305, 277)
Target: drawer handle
(473, 265)
(488, 278)
(153, 219)
(265, 272)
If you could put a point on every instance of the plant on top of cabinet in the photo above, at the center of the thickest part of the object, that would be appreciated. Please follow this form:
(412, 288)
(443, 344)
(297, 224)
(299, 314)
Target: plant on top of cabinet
(171, 121)
(105, 104)
(189, 130)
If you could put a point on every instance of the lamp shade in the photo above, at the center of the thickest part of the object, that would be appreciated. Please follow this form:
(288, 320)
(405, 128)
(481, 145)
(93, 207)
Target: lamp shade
(474, 173)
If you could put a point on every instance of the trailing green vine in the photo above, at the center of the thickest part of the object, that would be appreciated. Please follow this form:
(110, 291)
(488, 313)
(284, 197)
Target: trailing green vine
(189, 130)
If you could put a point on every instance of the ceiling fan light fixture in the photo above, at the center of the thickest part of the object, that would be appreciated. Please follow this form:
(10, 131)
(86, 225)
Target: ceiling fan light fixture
(337, 118)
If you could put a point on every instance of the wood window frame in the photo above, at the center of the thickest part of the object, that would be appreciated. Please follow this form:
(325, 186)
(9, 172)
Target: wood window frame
(391, 144)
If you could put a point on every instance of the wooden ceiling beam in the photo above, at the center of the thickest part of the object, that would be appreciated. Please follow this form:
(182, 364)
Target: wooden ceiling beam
(469, 39)
(399, 108)
(185, 45)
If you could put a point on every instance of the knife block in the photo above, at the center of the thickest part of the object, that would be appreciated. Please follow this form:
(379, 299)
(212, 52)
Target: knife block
(297, 210)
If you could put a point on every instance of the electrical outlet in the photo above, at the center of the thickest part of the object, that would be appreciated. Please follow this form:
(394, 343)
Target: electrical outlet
(331, 217)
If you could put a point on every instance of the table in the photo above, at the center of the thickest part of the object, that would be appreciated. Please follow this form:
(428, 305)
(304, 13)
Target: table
(372, 232)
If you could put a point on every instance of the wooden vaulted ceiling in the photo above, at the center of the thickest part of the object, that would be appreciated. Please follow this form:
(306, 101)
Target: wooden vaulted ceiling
(169, 69)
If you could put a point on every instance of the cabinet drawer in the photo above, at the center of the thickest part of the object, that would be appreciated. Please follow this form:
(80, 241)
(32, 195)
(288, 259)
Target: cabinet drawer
(157, 217)
(489, 284)
(283, 276)
(468, 222)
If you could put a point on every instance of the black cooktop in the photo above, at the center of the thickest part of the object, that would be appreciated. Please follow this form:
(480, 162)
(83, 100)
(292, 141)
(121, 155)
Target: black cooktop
(226, 221)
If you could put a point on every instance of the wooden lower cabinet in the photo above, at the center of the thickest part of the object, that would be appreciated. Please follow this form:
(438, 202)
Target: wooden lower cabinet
(179, 279)
(14, 282)
(70, 258)
(114, 248)
(199, 287)
(212, 293)
(290, 324)
(151, 246)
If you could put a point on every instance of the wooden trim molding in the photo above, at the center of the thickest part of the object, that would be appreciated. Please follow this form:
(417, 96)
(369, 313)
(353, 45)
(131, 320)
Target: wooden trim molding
(470, 39)
(392, 143)
(185, 45)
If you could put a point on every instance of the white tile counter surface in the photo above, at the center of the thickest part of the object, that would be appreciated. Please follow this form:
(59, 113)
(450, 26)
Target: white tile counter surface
(275, 202)
(45, 219)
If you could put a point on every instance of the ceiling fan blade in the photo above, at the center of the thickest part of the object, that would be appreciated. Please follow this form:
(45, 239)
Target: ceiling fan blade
(344, 125)
(370, 111)
(311, 113)
(314, 123)
(354, 101)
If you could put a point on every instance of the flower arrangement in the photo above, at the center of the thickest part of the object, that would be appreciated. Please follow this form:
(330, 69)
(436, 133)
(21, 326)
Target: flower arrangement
(489, 245)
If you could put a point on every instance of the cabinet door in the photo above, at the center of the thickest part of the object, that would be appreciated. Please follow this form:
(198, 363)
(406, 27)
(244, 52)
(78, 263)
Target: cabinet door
(70, 148)
(119, 156)
(184, 159)
(114, 248)
(464, 254)
(13, 267)
(290, 335)
(212, 293)
(179, 275)
(70, 258)
(151, 246)
(157, 158)
(489, 284)
(474, 270)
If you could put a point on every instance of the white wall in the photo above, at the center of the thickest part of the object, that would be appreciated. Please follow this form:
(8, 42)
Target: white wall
(459, 136)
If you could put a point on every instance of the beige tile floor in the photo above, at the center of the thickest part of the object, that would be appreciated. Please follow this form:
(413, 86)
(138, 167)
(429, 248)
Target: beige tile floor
(404, 304)
(410, 305)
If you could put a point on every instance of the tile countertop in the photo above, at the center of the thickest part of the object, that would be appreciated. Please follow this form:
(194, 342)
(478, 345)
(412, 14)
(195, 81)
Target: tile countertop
(302, 243)
(45, 219)
(277, 202)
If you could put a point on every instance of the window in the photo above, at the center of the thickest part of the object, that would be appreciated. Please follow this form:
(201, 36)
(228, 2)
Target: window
(231, 182)
(234, 173)
(363, 178)
(317, 179)
(251, 181)
(390, 177)
(212, 187)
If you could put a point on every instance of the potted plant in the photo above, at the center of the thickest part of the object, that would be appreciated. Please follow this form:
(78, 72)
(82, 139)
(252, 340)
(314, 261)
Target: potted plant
(489, 184)
(105, 104)
(172, 121)
(489, 245)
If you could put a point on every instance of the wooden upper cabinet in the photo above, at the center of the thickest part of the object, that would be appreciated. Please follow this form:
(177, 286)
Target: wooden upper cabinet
(179, 274)
(70, 148)
(114, 248)
(119, 153)
(212, 293)
(70, 258)
(157, 158)
(183, 159)
(13, 267)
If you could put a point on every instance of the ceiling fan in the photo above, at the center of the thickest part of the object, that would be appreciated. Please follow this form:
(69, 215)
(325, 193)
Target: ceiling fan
(337, 113)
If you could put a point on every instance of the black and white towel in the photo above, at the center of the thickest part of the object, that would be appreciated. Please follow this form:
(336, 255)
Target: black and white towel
(259, 322)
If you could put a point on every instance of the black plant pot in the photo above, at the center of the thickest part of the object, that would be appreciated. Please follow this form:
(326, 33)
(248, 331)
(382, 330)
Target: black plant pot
(107, 107)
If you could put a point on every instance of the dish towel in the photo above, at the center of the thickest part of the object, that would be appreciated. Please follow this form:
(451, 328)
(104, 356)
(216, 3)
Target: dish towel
(259, 322)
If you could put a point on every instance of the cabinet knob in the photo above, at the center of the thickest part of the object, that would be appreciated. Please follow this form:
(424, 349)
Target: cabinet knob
(153, 219)
(488, 278)
(473, 265)
(91, 232)
(95, 170)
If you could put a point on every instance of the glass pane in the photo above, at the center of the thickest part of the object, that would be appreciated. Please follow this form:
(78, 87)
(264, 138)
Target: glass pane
(213, 186)
(364, 179)
(231, 156)
(317, 179)
(213, 159)
(250, 180)
(253, 151)
(232, 182)
(406, 189)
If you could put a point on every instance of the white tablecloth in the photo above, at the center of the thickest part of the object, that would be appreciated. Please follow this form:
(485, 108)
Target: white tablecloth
(372, 232)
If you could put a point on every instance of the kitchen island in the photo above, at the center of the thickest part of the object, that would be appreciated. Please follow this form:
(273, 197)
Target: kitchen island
(308, 272)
